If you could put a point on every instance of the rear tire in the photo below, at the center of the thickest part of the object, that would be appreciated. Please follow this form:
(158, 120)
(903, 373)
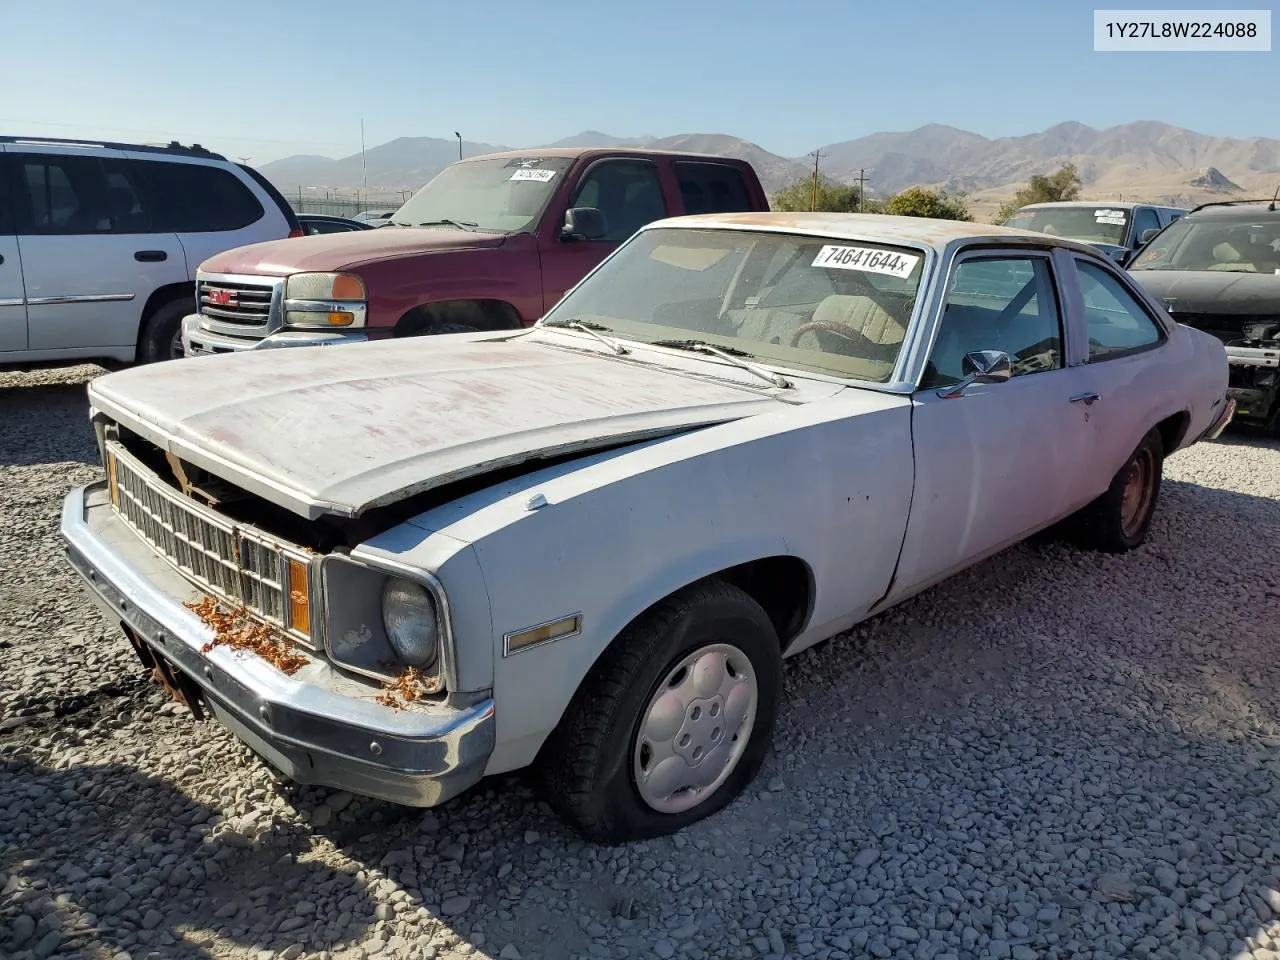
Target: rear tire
(438, 327)
(162, 333)
(672, 722)
(1118, 520)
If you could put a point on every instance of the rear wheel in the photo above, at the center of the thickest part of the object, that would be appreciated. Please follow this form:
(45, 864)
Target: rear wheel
(434, 328)
(672, 722)
(1118, 520)
(162, 333)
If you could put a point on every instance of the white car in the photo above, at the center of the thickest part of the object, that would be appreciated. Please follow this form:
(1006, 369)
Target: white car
(99, 243)
(587, 546)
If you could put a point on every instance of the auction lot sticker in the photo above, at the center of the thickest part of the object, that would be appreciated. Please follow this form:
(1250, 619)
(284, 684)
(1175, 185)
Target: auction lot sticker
(862, 258)
(541, 176)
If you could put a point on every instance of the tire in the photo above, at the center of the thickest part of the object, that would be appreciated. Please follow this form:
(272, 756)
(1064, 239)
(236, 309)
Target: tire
(596, 769)
(437, 327)
(1113, 525)
(162, 333)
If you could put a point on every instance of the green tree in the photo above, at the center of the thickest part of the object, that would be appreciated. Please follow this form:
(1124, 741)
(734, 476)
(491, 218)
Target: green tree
(919, 202)
(832, 197)
(1063, 185)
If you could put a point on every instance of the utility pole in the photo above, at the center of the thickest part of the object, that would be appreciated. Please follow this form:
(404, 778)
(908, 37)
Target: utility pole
(364, 164)
(813, 200)
(244, 160)
(862, 189)
(459, 136)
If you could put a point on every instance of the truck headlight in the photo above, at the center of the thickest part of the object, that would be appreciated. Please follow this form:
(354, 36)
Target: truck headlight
(412, 625)
(319, 300)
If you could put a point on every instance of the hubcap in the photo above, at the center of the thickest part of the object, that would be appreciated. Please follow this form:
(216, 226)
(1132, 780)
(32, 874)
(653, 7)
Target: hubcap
(695, 728)
(1136, 497)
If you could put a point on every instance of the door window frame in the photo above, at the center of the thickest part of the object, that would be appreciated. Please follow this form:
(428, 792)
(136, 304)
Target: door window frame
(576, 189)
(1136, 294)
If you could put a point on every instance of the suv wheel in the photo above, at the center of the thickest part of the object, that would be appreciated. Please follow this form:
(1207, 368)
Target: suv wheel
(162, 333)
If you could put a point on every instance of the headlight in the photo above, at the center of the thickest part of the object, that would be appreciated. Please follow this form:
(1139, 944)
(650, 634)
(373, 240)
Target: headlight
(325, 286)
(409, 616)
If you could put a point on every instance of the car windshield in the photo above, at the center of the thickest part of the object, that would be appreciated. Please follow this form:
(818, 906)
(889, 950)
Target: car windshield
(502, 195)
(839, 307)
(1232, 244)
(1100, 224)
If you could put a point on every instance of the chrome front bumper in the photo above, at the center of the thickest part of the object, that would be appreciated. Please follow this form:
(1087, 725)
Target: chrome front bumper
(1254, 356)
(197, 342)
(304, 725)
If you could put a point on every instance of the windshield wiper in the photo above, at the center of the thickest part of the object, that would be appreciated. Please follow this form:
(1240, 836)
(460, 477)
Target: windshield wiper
(731, 354)
(591, 328)
(460, 224)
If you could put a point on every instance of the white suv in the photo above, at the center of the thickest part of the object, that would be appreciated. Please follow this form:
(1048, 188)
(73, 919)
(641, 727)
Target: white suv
(99, 243)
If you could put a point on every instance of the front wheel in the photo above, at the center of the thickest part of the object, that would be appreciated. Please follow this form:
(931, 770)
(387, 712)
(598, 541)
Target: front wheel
(162, 334)
(672, 722)
(1118, 520)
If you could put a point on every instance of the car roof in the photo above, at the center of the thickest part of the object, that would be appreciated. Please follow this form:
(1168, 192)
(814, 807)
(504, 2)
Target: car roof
(1110, 205)
(1236, 209)
(917, 231)
(574, 153)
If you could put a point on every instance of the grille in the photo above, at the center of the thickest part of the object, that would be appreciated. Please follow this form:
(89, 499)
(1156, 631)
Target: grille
(241, 566)
(242, 304)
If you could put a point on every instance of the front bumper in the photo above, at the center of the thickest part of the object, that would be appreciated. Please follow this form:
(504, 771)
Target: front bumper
(1253, 356)
(304, 725)
(197, 342)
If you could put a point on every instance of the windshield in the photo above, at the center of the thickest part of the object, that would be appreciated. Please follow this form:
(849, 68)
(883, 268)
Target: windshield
(503, 195)
(1233, 244)
(1100, 224)
(810, 303)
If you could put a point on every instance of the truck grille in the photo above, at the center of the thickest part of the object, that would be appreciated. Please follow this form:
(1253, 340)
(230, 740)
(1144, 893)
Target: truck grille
(268, 578)
(242, 304)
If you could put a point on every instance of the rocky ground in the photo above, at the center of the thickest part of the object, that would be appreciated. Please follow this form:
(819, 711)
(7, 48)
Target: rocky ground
(1057, 754)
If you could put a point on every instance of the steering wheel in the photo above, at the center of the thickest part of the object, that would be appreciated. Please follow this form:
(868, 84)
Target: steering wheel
(831, 326)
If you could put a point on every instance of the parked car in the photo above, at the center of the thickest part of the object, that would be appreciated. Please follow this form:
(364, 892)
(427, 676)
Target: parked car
(489, 244)
(99, 243)
(374, 217)
(1117, 229)
(1218, 270)
(314, 223)
(587, 546)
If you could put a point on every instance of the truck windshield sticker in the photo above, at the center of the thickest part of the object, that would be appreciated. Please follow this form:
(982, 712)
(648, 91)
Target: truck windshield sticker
(528, 173)
(870, 261)
(1109, 216)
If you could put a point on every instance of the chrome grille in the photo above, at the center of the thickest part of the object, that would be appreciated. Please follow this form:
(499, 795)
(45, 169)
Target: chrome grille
(239, 565)
(238, 303)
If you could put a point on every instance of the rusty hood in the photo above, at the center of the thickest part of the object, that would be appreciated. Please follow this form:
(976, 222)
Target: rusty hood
(342, 430)
(343, 251)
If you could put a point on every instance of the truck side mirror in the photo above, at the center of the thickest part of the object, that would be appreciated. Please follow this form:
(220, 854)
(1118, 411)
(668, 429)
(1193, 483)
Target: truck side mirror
(1148, 235)
(583, 223)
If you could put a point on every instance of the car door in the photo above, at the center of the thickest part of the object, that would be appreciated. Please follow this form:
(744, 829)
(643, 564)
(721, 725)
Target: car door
(1127, 364)
(13, 298)
(996, 462)
(628, 191)
(90, 258)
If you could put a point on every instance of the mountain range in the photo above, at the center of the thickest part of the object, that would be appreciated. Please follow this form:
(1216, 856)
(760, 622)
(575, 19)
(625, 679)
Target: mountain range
(1146, 159)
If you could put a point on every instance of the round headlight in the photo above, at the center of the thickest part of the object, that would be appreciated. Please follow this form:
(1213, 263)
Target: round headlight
(409, 616)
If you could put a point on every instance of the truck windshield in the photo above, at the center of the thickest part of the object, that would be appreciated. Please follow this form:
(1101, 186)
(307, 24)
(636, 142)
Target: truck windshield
(1100, 224)
(501, 195)
(811, 303)
(1232, 244)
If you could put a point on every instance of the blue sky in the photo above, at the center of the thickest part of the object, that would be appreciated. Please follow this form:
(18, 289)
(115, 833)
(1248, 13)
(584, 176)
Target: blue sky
(270, 78)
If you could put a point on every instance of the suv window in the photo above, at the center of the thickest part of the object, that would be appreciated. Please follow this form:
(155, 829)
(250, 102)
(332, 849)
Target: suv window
(711, 188)
(998, 303)
(1117, 324)
(1144, 218)
(63, 195)
(627, 192)
(196, 198)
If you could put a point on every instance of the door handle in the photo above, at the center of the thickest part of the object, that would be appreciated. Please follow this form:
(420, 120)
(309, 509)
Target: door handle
(150, 256)
(1088, 398)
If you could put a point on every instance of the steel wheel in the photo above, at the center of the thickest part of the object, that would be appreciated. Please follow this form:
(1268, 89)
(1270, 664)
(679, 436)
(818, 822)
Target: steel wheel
(695, 728)
(1138, 489)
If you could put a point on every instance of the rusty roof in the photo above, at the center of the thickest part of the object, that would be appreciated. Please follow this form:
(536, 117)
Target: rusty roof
(575, 152)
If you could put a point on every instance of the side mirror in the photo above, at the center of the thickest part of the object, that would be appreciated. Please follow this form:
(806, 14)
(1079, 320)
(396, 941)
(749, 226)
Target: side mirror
(980, 366)
(1148, 235)
(583, 223)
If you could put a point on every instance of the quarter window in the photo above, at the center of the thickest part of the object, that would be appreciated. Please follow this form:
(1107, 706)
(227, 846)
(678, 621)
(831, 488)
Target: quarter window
(998, 303)
(1117, 324)
(627, 192)
(196, 197)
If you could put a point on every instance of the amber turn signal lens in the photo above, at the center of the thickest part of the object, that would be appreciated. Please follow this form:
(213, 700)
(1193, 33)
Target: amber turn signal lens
(299, 598)
(341, 318)
(347, 286)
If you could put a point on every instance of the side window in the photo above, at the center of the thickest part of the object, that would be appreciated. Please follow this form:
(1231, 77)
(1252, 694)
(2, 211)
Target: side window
(627, 192)
(711, 188)
(61, 194)
(197, 198)
(1117, 323)
(998, 303)
(1144, 218)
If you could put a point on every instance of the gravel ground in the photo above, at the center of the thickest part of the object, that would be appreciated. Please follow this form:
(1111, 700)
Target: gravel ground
(1057, 754)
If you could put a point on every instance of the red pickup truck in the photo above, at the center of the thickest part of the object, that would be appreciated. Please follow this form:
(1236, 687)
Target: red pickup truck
(490, 243)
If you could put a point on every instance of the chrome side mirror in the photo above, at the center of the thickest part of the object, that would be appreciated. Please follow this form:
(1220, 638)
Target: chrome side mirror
(980, 366)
